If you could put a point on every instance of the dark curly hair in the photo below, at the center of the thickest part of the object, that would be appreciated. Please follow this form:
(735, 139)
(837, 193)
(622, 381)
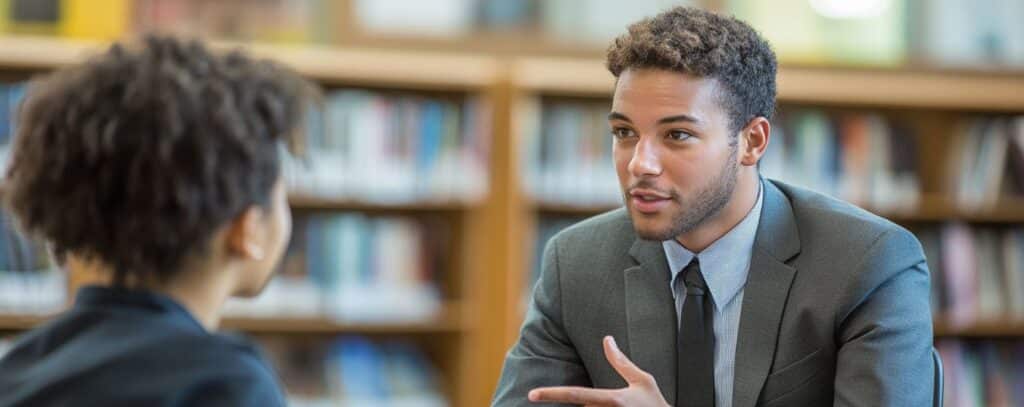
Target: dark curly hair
(704, 44)
(135, 157)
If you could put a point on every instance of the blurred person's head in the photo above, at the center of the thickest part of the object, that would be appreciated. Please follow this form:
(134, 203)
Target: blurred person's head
(160, 161)
(693, 95)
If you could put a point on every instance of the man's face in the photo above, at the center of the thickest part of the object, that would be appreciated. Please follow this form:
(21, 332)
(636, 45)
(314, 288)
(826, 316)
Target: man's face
(674, 153)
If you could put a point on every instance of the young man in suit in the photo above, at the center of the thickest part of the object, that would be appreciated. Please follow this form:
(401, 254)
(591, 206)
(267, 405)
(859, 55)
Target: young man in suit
(156, 165)
(720, 287)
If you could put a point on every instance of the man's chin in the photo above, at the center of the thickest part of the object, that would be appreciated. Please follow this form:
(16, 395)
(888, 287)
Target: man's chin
(651, 231)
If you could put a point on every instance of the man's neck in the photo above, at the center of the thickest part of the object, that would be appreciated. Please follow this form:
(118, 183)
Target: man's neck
(743, 199)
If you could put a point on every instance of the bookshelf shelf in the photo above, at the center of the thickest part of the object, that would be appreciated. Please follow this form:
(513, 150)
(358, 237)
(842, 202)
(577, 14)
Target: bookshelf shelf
(309, 202)
(449, 321)
(902, 88)
(21, 322)
(933, 208)
(327, 65)
(1008, 329)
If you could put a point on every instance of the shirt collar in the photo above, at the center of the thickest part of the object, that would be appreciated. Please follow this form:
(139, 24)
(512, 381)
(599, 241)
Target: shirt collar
(94, 296)
(726, 262)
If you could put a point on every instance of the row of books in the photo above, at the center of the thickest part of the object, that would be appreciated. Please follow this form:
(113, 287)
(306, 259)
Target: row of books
(351, 267)
(982, 373)
(589, 21)
(988, 162)
(321, 21)
(863, 158)
(244, 20)
(29, 282)
(567, 152)
(372, 146)
(860, 157)
(878, 32)
(11, 95)
(977, 272)
(395, 148)
(356, 371)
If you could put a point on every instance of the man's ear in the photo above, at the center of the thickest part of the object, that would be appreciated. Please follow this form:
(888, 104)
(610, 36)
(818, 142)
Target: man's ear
(244, 235)
(753, 140)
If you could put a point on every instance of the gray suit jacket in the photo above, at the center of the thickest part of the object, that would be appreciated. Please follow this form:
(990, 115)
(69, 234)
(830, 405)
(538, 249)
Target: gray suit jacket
(835, 311)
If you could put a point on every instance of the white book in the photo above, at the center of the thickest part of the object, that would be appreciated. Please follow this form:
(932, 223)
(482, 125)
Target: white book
(424, 17)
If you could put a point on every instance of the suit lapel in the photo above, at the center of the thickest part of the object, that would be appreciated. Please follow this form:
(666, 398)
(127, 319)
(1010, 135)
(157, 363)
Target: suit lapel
(765, 295)
(651, 315)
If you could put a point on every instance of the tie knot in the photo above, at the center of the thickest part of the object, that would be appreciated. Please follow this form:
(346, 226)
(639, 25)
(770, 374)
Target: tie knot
(693, 279)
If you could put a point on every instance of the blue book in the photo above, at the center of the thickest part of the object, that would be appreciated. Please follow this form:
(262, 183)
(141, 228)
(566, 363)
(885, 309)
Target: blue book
(355, 369)
(431, 133)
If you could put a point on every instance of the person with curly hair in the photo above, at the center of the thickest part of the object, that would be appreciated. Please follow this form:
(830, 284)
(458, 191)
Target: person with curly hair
(714, 286)
(157, 165)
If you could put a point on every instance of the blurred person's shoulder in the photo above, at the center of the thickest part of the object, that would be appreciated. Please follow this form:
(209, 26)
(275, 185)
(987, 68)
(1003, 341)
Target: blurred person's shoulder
(109, 356)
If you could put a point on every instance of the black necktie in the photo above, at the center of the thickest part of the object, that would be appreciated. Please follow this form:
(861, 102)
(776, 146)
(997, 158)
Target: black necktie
(695, 375)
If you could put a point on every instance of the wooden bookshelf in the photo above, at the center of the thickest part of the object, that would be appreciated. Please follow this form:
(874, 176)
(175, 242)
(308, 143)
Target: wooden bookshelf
(21, 322)
(925, 89)
(932, 208)
(995, 329)
(327, 65)
(491, 260)
(309, 202)
(448, 322)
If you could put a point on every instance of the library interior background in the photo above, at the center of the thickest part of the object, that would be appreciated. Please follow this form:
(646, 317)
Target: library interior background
(481, 133)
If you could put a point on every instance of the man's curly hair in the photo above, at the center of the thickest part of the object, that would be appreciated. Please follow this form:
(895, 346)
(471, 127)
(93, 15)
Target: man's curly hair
(707, 45)
(135, 157)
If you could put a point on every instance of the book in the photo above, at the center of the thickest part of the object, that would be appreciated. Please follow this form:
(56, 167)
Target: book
(389, 148)
(862, 157)
(567, 149)
(355, 268)
(354, 370)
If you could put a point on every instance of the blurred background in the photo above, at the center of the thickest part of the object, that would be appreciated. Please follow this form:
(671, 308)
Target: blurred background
(457, 136)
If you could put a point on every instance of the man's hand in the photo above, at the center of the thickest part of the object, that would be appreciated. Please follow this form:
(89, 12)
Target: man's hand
(642, 390)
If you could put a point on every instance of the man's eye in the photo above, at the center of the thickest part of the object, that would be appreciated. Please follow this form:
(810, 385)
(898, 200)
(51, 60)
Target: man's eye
(622, 133)
(679, 135)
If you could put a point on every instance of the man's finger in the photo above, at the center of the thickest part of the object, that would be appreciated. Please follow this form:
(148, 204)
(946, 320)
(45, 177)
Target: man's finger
(573, 395)
(629, 371)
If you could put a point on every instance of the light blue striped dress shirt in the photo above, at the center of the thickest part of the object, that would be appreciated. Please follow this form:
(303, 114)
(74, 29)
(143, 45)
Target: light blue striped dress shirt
(724, 265)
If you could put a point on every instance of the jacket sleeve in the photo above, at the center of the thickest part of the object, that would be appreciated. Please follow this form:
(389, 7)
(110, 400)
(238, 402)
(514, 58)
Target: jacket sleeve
(544, 355)
(884, 327)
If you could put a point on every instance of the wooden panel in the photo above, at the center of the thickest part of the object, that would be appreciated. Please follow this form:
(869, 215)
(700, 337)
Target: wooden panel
(449, 321)
(974, 91)
(308, 202)
(932, 208)
(983, 329)
(329, 65)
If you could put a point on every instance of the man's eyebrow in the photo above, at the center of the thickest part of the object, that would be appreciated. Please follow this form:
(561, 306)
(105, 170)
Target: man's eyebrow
(619, 116)
(678, 118)
(663, 120)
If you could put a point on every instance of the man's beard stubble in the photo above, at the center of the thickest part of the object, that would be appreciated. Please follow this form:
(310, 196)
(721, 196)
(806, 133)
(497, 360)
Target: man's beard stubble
(706, 203)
